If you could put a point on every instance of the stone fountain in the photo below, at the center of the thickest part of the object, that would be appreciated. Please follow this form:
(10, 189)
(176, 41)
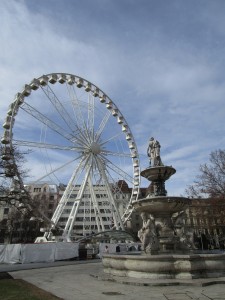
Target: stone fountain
(163, 217)
(168, 251)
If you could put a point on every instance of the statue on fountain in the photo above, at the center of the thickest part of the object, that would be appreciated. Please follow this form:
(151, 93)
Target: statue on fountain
(153, 153)
(186, 236)
(148, 235)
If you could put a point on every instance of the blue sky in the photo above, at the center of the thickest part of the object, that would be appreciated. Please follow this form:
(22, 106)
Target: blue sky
(161, 62)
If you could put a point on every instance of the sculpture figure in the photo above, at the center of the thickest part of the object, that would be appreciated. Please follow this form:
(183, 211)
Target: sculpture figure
(153, 152)
(147, 234)
(186, 236)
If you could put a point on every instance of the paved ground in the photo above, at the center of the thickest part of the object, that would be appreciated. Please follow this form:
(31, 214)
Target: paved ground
(83, 280)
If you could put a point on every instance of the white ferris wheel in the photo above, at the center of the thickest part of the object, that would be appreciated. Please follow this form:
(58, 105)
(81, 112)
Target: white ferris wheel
(79, 137)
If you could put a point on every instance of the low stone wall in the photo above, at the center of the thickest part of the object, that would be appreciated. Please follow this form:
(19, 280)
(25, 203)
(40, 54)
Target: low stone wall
(165, 266)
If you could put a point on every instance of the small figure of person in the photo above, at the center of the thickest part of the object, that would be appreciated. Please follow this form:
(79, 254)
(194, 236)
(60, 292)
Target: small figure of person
(106, 249)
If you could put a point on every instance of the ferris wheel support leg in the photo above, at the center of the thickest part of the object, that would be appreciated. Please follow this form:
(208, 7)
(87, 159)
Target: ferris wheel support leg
(59, 210)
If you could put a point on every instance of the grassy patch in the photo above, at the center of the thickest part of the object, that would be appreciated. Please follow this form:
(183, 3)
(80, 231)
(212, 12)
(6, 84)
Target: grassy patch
(17, 289)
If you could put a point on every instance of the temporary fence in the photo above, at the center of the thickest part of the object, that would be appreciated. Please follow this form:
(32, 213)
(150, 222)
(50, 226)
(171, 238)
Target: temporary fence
(43, 252)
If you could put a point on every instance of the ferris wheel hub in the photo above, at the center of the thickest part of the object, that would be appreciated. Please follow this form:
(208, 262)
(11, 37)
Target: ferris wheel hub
(95, 148)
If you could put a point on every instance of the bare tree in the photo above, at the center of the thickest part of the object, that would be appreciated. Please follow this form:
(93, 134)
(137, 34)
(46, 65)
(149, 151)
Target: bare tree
(12, 173)
(211, 180)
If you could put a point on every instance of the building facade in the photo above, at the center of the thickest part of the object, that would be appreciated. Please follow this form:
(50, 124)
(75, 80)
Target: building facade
(207, 218)
(18, 224)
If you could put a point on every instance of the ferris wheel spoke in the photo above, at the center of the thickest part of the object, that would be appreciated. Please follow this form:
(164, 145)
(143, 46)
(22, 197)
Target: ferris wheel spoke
(118, 170)
(57, 169)
(121, 154)
(45, 145)
(111, 138)
(81, 124)
(91, 111)
(116, 188)
(59, 107)
(102, 125)
(46, 121)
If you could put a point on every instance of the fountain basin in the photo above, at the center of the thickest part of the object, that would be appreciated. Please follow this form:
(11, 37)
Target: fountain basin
(161, 204)
(158, 173)
(174, 266)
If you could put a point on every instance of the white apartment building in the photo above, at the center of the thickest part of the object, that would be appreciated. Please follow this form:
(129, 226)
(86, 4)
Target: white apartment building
(87, 220)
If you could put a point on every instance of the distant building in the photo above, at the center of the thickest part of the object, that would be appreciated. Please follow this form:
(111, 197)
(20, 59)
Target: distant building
(47, 194)
(207, 218)
(17, 224)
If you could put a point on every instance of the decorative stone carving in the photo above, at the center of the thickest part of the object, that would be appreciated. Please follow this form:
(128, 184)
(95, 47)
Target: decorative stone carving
(147, 234)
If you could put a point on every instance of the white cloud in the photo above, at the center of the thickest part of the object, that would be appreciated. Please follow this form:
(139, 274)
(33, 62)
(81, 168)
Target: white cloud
(163, 65)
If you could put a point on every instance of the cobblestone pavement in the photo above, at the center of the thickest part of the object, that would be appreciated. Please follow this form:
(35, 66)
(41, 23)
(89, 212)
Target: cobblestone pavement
(82, 281)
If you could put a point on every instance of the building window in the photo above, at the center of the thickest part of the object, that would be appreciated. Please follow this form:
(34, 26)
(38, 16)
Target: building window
(63, 219)
(6, 211)
(73, 196)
